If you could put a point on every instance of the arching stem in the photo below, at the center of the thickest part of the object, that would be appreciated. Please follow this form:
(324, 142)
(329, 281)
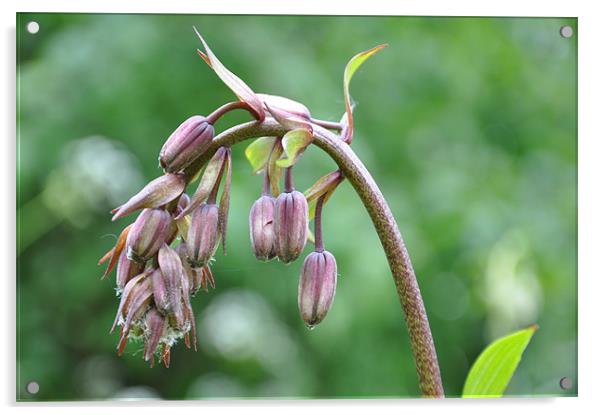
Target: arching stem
(224, 109)
(421, 339)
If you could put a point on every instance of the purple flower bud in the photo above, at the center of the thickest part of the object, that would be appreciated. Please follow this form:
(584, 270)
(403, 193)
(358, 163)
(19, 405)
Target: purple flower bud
(126, 297)
(158, 192)
(203, 234)
(290, 225)
(183, 202)
(186, 144)
(151, 229)
(317, 286)
(261, 225)
(156, 326)
(171, 267)
(126, 270)
(134, 308)
(160, 293)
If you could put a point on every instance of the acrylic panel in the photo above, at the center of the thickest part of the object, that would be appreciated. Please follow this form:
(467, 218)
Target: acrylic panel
(459, 132)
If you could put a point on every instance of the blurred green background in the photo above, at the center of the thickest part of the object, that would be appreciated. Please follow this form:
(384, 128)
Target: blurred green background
(467, 124)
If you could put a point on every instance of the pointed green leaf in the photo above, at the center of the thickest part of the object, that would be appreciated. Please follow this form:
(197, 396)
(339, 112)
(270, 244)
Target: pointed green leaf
(350, 69)
(310, 236)
(274, 171)
(490, 374)
(224, 203)
(294, 143)
(258, 153)
(242, 90)
(311, 204)
(183, 225)
(325, 183)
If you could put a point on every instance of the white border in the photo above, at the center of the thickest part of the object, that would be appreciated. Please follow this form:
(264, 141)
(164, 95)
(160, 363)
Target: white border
(590, 206)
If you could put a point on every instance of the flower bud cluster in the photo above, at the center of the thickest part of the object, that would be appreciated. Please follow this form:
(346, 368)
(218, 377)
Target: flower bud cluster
(162, 258)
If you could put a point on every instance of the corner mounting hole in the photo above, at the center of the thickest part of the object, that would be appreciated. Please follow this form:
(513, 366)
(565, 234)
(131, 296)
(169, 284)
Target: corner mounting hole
(566, 383)
(33, 388)
(33, 27)
(566, 32)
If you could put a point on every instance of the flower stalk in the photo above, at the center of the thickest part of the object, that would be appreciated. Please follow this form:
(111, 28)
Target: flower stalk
(406, 284)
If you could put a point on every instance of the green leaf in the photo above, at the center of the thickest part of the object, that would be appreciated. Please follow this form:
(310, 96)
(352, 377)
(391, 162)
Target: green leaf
(324, 184)
(258, 152)
(294, 143)
(493, 369)
(274, 171)
(224, 202)
(242, 90)
(352, 66)
(311, 204)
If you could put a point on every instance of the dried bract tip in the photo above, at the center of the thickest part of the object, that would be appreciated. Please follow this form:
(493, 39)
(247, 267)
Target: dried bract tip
(114, 254)
(261, 226)
(151, 229)
(190, 140)
(203, 234)
(317, 287)
(290, 225)
(159, 192)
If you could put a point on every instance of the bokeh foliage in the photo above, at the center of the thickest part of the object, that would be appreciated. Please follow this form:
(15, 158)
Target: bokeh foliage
(467, 124)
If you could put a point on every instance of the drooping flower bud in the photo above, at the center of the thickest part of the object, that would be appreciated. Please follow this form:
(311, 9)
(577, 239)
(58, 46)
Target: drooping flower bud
(290, 225)
(158, 192)
(135, 306)
(160, 293)
(317, 286)
(183, 202)
(186, 143)
(203, 234)
(261, 226)
(171, 268)
(151, 229)
(126, 270)
(156, 326)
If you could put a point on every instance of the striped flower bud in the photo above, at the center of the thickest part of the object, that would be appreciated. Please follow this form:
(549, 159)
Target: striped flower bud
(156, 326)
(290, 225)
(317, 287)
(186, 144)
(160, 293)
(261, 226)
(150, 230)
(126, 270)
(171, 268)
(203, 234)
(157, 193)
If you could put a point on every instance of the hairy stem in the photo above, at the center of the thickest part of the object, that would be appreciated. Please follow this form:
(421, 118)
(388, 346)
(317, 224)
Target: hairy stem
(354, 170)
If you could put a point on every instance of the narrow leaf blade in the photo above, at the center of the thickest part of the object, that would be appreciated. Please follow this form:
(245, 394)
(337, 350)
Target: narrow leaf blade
(242, 90)
(352, 66)
(258, 153)
(294, 143)
(490, 374)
